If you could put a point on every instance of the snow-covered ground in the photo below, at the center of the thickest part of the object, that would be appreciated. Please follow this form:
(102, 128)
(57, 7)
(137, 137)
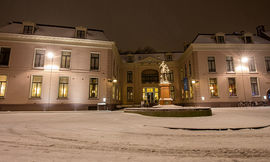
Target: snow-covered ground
(117, 136)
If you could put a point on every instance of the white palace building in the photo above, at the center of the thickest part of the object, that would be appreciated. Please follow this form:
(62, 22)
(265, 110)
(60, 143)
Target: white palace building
(49, 67)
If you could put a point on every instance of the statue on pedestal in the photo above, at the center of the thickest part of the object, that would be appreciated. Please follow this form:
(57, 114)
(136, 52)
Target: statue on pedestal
(165, 98)
(164, 70)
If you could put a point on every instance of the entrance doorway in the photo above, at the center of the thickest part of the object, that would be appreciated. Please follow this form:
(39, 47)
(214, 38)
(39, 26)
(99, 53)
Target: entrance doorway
(150, 96)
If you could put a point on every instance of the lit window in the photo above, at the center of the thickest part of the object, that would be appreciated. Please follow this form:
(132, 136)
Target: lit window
(254, 86)
(251, 64)
(267, 63)
(93, 88)
(190, 90)
(230, 65)
(211, 64)
(81, 34)
(3, 85)
(36, 86)
(213, 87)
(129, 76)
(28, 29)
(39, 58)
(94, 64)
(65, 59)
(63, 87)
(4, 56)
(130, 93)
(232, 87)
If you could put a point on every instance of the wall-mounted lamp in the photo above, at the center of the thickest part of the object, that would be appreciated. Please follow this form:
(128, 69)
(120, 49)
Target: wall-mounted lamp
(203, 98)
(264, 97)
(114, 81)
(194, 81)
(50, 55)
(104, 99)
(244, 59)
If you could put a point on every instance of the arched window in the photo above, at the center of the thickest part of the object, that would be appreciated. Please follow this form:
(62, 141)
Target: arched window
(150, 76)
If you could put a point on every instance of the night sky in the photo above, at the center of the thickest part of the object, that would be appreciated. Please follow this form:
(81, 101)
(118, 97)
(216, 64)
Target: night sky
(161, 24)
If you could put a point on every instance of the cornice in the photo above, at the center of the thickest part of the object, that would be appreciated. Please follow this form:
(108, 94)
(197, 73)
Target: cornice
(56, 40)
(230, 47)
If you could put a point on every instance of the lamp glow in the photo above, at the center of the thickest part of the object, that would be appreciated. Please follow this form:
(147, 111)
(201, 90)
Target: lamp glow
(193, 81)
(50, 55)
(244, 59)
(114, 81)
(264, 97)
(104, 99)
(203, 98)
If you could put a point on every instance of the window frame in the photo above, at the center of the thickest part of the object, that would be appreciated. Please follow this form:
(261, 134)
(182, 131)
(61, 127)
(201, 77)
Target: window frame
(31, 87)
(132, 96)
(3, 97)
(89, 94)
(81, 34)
(58, 95)
(220, 41)
(253, 58)
(94, 53)
(168, 57)
(170, 76)
(228, 81)
(209, 83)
(34, 58)
(64, 68)
(258, 87)
(232, 63)
(265, 61)
(28, 32)
(129, 76)
(212, 61)
(8, 56)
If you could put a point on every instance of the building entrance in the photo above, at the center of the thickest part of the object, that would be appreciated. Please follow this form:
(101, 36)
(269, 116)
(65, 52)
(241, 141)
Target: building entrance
(150, 96)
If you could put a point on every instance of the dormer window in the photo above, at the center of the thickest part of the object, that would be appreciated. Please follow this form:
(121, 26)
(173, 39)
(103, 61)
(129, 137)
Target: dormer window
(80, 32)
(248, 38)
(28, 28)
(130, 59)
(220, 37)
(168, 57)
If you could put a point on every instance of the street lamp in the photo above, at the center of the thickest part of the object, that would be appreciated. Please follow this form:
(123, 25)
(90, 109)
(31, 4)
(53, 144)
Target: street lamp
(50, 55)
(243, 60)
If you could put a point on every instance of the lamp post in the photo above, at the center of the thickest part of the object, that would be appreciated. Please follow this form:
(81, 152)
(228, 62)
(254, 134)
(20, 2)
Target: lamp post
(50, 55)
(243, 60)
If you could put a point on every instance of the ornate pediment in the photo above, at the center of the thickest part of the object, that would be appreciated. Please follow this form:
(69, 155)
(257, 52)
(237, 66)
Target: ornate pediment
(149, 61)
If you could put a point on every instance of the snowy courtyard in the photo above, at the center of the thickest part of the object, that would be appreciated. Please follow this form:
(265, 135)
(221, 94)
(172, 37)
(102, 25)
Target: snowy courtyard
(117, 136)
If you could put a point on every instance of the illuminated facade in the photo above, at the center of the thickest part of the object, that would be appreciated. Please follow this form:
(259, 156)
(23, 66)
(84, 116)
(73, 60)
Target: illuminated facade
(45, 67)
(225, 70)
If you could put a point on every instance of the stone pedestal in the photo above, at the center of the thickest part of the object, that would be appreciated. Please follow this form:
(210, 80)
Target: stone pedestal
(165, 98)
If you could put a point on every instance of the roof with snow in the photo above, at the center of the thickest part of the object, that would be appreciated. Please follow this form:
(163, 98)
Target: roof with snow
(267, 33)
(229, 39)
(54, 31)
